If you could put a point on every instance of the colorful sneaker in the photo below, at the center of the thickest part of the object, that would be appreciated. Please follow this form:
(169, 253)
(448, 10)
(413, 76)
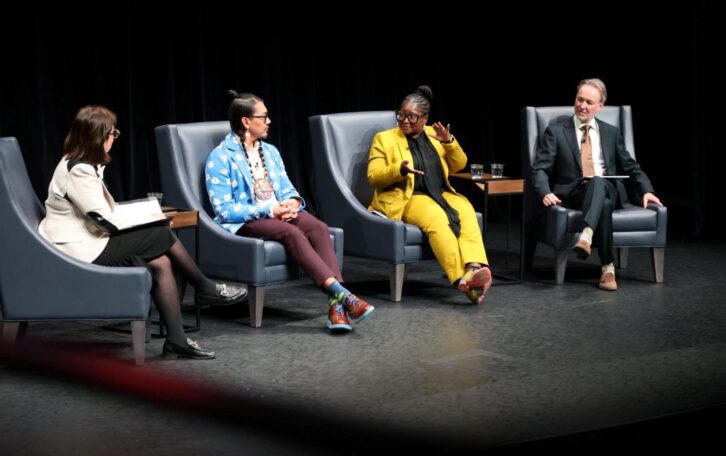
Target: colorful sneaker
(357, 308)
(338, 319)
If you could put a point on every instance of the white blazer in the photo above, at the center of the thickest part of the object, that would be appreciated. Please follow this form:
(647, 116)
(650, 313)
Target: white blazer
(75, 194)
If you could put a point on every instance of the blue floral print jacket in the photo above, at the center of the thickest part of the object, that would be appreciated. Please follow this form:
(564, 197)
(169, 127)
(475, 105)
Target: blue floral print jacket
(229, 183)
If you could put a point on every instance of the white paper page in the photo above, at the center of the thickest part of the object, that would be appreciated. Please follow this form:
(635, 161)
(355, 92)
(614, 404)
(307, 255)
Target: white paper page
(138, 212)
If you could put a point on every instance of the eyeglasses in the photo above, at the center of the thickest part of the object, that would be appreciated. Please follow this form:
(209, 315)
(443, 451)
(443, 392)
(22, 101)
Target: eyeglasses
(413, 118)
(115, 133)
(264, 118)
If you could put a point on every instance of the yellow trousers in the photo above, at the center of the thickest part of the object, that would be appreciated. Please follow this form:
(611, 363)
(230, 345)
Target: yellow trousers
(452, 253)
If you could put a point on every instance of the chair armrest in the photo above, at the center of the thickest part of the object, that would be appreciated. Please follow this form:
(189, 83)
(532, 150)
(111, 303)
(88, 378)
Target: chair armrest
(338, 237)
(556, 233)
(72, 289)
(661, 224)
(370, 235)
(228, 256)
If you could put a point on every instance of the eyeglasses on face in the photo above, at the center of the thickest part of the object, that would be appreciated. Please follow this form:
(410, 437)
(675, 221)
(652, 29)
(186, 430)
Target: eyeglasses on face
(115, 133)
(264, 118)
(413, 118)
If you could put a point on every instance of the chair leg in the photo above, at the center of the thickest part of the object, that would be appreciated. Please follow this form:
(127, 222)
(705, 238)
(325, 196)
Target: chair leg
(147, 330)
(256, 295)
(658, 256)
(138, 336)
(395, 277)
(560, 265)
(530, 248)
(10, 331)
(622, 257)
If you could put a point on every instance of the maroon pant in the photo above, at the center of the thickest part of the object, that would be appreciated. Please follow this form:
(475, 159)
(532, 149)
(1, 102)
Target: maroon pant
(306, 238)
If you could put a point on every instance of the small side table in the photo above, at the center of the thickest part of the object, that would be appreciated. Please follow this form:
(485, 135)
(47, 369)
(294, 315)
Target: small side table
(501, 186)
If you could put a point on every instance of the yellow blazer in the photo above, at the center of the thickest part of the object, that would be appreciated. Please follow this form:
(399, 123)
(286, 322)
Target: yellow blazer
(388, 151)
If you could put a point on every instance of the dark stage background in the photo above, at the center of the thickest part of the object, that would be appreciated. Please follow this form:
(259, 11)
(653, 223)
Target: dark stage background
(158, 63)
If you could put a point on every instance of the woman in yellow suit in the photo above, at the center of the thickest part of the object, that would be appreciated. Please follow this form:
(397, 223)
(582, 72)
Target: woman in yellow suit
(409, 169)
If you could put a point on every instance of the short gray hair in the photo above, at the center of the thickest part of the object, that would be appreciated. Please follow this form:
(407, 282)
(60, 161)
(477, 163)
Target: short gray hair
(598, 84)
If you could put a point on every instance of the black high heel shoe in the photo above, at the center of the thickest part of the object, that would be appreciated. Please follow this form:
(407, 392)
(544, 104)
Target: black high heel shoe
(224, 295)
(190, 350)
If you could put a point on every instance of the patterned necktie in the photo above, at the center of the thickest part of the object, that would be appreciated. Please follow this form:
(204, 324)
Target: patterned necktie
(588, 169)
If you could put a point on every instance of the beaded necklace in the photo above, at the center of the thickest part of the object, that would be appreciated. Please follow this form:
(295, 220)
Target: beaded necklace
(262, 186)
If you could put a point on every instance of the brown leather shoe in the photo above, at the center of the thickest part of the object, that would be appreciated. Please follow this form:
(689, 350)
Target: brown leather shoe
(583, 250)
(607, 281)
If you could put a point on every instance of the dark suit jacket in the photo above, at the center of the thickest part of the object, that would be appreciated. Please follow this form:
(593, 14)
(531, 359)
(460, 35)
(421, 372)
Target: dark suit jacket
(557, 168)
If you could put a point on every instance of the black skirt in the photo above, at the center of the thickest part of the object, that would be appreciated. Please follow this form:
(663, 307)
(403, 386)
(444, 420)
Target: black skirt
(137, 247)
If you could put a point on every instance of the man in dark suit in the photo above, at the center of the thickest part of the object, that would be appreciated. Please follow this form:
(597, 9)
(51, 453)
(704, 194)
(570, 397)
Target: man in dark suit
(573, 156)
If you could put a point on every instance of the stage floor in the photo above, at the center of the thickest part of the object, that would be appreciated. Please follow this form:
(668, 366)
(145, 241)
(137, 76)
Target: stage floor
(536, 361)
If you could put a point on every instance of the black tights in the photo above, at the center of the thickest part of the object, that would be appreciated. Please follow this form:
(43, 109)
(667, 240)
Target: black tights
(185, 265)
(165, 291)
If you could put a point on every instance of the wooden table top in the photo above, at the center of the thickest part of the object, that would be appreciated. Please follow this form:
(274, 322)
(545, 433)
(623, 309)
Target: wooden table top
(494, 185)
(181, 218)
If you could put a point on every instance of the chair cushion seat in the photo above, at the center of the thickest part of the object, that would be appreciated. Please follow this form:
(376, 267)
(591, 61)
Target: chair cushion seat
(628, 219)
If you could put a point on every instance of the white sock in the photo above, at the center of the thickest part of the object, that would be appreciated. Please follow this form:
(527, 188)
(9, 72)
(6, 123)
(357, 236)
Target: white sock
(608, 268)
(586, 235)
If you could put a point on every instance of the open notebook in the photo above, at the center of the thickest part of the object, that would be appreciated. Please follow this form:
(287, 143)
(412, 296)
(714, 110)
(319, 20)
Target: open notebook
(138, 212)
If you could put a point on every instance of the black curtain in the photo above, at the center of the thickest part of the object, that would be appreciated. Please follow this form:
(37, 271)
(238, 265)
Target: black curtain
(159, 63)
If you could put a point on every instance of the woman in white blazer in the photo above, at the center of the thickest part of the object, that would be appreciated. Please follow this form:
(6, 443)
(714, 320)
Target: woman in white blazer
(81, 221)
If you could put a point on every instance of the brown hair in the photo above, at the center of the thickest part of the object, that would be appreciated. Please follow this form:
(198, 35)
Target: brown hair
(89, 131)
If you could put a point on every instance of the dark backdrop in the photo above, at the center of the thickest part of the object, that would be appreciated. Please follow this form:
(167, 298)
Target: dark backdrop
(159, 63)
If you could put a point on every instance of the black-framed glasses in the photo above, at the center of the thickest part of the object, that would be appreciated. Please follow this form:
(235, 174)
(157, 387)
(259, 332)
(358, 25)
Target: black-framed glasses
(115, 133)
(264, 118)
(413, 118)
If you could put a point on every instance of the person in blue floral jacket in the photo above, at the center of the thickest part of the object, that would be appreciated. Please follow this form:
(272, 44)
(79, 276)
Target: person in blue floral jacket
(251, 195)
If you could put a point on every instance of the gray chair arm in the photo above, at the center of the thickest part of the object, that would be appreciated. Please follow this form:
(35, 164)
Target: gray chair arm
(556, 233)
(60, 287)
(369, 235)
(337, 236)
(661, 223)
(228, 256)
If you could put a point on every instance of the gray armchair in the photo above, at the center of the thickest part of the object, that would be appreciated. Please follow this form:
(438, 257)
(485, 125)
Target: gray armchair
(341, 144)
(557, 226)
(183, 150)
(38, 282)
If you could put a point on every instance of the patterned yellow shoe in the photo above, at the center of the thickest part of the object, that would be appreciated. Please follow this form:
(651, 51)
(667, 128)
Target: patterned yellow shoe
(476, 295)
(475, 283)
